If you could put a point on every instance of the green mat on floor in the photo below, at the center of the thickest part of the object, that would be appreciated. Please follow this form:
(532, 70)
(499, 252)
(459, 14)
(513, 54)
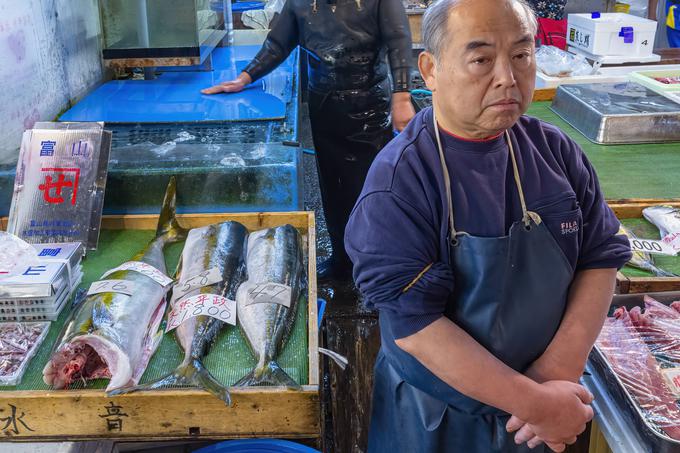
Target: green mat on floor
(625, 171)
(643, 229)
(229, 359)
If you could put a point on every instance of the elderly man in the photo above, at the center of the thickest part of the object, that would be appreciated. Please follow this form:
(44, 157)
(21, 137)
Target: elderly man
(483, 238)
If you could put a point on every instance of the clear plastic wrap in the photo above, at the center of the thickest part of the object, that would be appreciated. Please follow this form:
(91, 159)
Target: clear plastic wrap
(18, 343)
(556, 62)
(642, 348)
(15, 253)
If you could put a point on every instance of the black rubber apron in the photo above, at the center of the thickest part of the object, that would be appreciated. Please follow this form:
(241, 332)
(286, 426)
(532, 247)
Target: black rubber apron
(509, 294)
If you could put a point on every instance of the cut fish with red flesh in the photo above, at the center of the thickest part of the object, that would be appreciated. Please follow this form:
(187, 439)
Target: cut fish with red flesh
(637, 368)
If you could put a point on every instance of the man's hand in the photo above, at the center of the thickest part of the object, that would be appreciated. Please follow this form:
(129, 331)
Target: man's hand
(545, 369)
(232, 86)
(402, 110)
(558, 419)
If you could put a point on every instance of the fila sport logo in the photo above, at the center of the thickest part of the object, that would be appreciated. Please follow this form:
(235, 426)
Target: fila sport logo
(569, 227)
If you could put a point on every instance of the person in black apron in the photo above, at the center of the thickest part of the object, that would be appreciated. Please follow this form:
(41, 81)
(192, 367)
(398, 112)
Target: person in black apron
(353, 104)
(485, 329)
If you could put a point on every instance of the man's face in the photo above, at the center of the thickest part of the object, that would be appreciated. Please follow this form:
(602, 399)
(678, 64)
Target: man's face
(484, 78)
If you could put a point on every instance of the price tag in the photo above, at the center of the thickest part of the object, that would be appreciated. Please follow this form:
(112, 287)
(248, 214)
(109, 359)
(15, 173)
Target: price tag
(212, 305)
(144, 269)
(266, 293)
(651, 246)
(205, 278)
(112, 286)
(672, 377)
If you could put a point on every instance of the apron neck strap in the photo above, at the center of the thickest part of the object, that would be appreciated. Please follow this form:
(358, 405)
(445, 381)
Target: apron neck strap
(526, 218)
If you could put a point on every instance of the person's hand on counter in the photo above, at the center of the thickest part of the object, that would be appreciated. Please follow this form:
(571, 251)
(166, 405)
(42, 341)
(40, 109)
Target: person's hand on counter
(402, 110)
(231, 86)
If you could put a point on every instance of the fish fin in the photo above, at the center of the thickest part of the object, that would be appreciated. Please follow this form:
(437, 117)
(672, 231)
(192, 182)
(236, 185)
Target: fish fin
(270, 374)
(167, 220)
(192, 373)
(662, 273)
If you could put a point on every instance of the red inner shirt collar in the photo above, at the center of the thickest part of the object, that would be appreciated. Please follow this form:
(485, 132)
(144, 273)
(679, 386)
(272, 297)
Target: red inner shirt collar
(472, 140)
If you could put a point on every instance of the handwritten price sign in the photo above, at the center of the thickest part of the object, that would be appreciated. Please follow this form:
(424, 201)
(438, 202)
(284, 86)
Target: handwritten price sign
(112, 286)
(144, 269)
(212, 305)
(205, 278)
(266, 293)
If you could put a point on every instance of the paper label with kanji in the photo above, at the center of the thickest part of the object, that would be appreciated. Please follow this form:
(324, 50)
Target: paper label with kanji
(112, 286)
(266, 293)
(205, 278)
(213, 305)
(672, 377)
(144, 269)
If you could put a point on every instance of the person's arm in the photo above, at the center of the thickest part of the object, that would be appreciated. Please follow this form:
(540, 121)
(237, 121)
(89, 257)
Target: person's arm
(396, 35)
(602, 252)
(280, 42)
(565, 358)
(652, 7)
(556, 410)
(590, 296)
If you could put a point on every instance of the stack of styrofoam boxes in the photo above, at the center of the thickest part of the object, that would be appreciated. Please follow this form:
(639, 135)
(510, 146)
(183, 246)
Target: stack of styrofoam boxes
(611, 34)
(39, 291)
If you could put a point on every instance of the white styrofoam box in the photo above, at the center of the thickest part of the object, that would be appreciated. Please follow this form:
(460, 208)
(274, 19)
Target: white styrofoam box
(608, 74)
(611, 34)
(648, 79)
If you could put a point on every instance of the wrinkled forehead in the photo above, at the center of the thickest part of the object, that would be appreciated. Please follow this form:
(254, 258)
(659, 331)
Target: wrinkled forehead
(495, 22)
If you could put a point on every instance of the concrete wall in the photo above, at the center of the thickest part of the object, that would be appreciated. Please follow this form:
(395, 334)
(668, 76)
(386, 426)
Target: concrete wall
(49, 57)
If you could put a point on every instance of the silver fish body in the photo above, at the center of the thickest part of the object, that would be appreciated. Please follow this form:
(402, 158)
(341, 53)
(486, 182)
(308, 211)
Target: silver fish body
(113, 335)
(665, 218)
(220, 246)
(274, 256)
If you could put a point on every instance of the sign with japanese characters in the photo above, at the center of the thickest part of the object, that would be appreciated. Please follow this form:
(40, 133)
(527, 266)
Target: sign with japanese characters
(214, 305)
(59, 185)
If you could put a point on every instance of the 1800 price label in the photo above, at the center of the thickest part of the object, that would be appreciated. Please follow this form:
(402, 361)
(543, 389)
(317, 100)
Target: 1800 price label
(213, 305)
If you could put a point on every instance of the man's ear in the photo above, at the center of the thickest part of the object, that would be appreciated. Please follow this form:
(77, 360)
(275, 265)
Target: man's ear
(427, 65)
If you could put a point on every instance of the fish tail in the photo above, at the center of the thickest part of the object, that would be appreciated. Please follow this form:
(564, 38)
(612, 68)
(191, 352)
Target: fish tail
(269, 374)
(192, 373)
(168, 227)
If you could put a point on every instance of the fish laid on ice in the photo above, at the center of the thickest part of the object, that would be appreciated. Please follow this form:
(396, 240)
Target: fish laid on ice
(665, 218)
(643, 260)
(222, 247)
(274, 260)
(111, 334)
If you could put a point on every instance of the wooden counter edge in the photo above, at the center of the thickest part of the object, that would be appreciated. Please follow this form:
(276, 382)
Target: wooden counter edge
(163, 414)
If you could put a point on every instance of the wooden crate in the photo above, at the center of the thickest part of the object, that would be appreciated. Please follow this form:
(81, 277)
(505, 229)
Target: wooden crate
(632, 209)
(181, 413)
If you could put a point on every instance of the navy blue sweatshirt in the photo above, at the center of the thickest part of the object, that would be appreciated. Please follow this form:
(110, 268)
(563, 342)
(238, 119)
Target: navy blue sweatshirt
(399, 225)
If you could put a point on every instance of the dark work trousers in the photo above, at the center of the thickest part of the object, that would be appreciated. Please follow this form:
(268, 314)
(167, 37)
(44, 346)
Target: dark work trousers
(349, 128)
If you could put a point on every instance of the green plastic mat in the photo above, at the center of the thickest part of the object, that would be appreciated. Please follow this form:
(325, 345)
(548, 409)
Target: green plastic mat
(643, 229)
(229, 359)
(625, 171)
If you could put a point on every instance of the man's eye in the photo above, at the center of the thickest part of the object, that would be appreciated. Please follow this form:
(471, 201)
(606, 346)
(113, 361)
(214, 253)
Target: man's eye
(480, 60)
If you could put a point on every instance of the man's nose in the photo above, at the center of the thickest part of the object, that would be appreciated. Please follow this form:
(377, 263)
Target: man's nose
(503, 73)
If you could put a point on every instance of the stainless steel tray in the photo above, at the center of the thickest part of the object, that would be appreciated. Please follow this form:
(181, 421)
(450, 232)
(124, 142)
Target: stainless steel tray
(653, 436)
(618, 113)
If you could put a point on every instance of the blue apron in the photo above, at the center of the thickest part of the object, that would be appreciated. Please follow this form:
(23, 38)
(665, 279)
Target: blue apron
(509, 294)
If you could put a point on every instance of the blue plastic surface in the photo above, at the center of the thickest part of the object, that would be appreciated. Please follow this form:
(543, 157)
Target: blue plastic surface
(320, 309)
(239, 7)
(176, 97)
(256, 446)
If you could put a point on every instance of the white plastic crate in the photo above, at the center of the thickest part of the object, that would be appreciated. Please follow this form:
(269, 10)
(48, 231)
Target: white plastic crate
(34, 312)
(611, 34)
